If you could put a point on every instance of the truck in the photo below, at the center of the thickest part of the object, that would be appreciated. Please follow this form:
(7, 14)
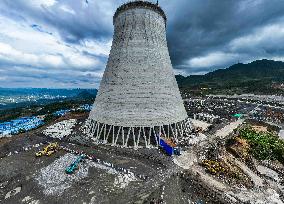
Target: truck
(168, 146)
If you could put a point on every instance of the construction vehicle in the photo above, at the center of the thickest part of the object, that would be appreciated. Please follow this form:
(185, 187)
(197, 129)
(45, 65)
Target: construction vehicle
(75, 165)
(48, 150)
(169, 146)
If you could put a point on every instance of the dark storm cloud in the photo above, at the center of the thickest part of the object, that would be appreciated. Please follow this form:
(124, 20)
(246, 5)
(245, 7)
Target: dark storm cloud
(74, 19)
(65, 43)
(196, 28)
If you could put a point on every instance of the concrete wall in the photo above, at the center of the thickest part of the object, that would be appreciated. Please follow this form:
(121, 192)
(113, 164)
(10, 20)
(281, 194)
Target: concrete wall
(138, 87)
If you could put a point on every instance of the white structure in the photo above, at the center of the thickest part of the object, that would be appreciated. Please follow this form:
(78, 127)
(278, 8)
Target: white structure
(61, 129)
(138, 96)
(206, 117)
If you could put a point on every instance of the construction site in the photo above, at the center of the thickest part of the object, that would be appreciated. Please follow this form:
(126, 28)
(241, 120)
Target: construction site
(54, 164)
(142, 142)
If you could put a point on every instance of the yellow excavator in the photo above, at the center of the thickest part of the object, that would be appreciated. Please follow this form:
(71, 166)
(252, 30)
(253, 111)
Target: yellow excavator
(48, 150)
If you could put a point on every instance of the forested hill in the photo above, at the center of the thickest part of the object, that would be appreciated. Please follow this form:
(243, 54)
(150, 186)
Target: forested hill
(261, 77)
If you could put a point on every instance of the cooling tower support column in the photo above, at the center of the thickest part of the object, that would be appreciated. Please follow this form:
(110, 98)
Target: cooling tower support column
(138, 99)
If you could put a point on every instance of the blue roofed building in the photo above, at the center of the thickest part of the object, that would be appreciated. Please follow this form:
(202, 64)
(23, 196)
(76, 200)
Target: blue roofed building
(15, 126)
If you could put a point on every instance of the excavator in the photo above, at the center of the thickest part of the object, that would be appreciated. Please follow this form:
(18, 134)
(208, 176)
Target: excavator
(75, 164)
(48, 150)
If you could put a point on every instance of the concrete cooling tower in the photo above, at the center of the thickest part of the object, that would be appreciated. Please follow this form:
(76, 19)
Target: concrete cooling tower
(138, 98)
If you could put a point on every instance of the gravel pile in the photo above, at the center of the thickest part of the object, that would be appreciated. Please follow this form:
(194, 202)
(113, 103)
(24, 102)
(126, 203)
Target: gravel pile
(199, 123)
(60, 129)
(30, 200)
(53, 178)
(13, 192)
(192, 140)
(122, 180)
(55, 181)
(185, 160)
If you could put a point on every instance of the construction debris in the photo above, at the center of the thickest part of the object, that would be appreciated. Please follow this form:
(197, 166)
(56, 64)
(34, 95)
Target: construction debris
(61, 129)
(13, 192)
(55, 181)
(122, 180)
(53, 178)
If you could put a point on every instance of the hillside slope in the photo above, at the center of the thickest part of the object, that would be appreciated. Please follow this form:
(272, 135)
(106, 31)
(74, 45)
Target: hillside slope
(261, 77)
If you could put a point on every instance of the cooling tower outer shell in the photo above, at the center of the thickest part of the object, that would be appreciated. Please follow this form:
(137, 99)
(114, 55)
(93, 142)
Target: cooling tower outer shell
(138, 88)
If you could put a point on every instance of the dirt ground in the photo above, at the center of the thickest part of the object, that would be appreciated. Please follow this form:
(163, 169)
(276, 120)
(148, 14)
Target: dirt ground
(135, 176)
(114, 175)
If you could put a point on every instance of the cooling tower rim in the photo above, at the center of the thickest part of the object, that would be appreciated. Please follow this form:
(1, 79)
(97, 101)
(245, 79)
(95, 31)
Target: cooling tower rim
(140, 4)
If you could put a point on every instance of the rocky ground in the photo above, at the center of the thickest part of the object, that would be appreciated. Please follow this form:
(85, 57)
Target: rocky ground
(119, 175)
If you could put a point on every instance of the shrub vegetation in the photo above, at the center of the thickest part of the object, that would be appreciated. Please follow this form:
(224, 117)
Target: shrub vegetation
(264, 145)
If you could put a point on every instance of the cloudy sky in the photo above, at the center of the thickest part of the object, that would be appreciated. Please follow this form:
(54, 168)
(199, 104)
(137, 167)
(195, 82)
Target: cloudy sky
(65, 43)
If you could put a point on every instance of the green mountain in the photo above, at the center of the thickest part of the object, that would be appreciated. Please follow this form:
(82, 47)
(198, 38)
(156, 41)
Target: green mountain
(259, 77)
(87, 95)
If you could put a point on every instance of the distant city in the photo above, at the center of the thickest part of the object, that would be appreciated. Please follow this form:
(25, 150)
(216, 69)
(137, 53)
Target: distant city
(10, 97)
